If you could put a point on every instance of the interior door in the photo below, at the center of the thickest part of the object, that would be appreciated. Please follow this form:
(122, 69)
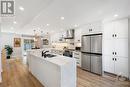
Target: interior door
(96, 64)
(96, 44)
(85, 43)
(86, 61)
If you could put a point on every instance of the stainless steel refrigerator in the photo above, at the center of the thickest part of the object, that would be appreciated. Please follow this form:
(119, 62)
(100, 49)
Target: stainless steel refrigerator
(92, 53)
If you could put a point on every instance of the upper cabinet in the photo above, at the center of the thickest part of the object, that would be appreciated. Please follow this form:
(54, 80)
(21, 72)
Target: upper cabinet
(121, 29)
(58, 37)
(116, 29)
(78, 35)
(92, 28)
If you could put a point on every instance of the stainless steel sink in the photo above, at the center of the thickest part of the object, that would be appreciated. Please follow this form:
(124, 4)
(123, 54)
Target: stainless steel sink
(49, 56)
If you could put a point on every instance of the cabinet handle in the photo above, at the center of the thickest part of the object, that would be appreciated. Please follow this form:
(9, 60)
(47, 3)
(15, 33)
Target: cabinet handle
(115, 35)
(112, 35)
(113, 53)
(90, 30)
(113, 59)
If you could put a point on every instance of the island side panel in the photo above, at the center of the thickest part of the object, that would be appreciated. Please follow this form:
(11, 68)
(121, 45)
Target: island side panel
(47, 73)
(69, 74)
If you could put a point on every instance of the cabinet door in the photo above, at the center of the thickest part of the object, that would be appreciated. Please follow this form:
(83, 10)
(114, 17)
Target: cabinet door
(108, 47)
(96, 44)
(78, 35)
(108, 30)
(85, 30)
(86, 43)
(121, 28)
(121, 66)
(86, 61)
(121, 47)
(96, 28)
(109, 64)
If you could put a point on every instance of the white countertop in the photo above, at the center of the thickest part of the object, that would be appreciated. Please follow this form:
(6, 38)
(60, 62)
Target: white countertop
(58, 59)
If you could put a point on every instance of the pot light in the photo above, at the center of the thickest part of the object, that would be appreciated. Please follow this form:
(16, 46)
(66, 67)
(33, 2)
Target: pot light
(62, 18)
(75, 25)
(15, 22)
(116, 15)
(47, 24)
(21, 8)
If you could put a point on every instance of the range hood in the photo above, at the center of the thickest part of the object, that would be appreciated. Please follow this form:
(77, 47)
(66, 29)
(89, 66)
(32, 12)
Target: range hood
(69, 34)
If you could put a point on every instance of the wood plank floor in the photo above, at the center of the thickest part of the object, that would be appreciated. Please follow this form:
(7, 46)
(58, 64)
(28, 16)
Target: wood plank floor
(15, 74)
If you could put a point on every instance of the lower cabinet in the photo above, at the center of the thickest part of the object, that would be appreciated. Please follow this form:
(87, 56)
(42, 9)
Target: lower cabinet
(121, 66)
(77, 56)
(116, 65)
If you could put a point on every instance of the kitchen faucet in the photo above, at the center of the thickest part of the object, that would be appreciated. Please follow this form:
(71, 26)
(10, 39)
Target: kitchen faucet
(44, 53)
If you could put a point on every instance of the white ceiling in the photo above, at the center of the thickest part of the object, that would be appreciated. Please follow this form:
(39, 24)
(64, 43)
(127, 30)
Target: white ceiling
(39, 13)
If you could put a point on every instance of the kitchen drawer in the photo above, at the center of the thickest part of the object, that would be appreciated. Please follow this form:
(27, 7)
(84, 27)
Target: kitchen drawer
(76, 57)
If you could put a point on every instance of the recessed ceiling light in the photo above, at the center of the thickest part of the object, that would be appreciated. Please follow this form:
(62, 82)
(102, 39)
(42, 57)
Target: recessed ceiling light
(48, 24)
(116, 15)
(75, 25)
(62, 18)
(21, 8)
(15, 22)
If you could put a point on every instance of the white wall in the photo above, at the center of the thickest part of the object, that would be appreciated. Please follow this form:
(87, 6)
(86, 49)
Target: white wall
(8, 39)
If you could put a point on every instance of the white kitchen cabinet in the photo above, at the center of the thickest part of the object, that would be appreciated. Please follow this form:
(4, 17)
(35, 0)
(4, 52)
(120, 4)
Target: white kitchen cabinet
(78, 35)
(92, 28)
(108, 47)
(121, 47)
(109, 64)
(77, 56)
(95, 28)
(115, 47)
(118, 46)
(121, 28)
(55, 38)
(121, 66)
(116, 29)
(116, 65)
(109, 30)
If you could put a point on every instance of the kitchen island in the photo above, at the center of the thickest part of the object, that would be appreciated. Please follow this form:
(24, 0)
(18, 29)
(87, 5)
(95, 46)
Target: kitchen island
(58, 71)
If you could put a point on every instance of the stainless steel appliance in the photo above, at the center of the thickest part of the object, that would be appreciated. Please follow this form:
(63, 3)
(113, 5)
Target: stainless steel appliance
(68, 53)
(92, 53)
(69, 34)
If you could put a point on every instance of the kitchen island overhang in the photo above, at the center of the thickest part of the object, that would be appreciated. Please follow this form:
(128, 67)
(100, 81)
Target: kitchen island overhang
(59, 71)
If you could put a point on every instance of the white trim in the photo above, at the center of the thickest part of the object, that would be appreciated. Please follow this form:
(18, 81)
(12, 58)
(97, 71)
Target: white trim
(129, 47)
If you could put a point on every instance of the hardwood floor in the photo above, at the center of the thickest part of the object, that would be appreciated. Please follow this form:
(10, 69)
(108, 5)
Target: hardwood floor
(15, 74)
